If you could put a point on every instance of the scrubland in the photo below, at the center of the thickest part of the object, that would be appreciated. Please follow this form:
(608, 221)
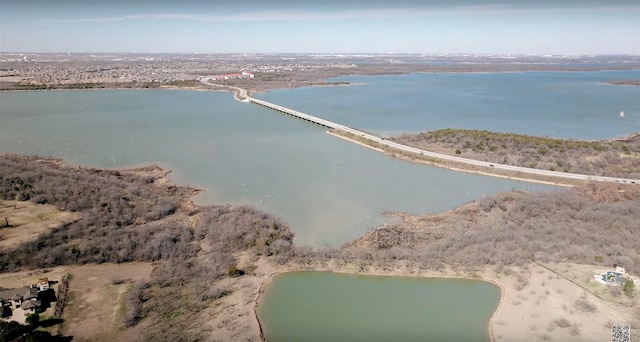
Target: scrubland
(209, 261)
(613, 158)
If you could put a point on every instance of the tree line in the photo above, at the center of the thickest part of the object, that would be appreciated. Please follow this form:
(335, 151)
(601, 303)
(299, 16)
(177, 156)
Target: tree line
(127, 216)
(614, 158)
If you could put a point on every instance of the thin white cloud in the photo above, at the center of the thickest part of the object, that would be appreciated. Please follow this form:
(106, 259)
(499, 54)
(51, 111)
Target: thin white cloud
(380, 13)
(256, 16)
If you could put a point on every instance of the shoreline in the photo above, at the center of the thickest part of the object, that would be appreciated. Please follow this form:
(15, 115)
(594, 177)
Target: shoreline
(520, 313)
(452, 168)
(269, 279)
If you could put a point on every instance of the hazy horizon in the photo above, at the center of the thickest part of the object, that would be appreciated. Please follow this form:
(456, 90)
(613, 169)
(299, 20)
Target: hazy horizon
(315, 53)
(564, 27)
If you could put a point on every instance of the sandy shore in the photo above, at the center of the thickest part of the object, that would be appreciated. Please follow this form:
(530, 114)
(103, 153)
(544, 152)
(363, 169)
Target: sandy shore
(455, 168)
(538, 302)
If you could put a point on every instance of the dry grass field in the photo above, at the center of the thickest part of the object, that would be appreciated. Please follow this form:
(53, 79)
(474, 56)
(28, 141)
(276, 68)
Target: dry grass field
(95, 302)
(22, 221)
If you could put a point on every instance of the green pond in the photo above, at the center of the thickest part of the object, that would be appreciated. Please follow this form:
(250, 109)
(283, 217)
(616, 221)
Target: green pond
(327, 306)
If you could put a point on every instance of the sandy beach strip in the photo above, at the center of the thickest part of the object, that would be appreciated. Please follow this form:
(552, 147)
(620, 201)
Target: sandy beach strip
(537, 303)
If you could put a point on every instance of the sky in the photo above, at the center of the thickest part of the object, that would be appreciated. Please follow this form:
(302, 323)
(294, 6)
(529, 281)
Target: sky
(559, 27)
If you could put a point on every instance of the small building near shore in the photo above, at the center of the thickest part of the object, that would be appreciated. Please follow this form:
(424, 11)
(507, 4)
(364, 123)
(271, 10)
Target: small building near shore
(614, 278)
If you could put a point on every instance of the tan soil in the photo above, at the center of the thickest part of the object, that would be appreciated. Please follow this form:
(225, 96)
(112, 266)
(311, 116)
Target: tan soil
(95, 301)
(528, 313)
(95, 298)
(532, 312)
(13, 79)
(28, 220)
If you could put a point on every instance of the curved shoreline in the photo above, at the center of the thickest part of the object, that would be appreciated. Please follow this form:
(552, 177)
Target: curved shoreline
(268, 280)
(502, 170)
(563, 288)
(453, 168)
(527, 295)
(471, 164)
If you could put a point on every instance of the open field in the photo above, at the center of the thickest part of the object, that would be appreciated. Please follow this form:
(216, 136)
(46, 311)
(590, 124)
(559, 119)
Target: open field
(95, 302)
(25, 221)
(543, 303)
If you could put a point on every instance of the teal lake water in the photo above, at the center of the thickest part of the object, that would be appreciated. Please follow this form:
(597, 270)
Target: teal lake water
(556, 104)
(325, 306)
(330, 191)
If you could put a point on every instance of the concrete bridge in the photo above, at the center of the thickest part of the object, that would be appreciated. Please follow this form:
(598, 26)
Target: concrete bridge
(440, 156)
(296, 114)
(244, 97)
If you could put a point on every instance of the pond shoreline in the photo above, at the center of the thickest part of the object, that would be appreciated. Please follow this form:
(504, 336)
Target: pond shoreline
(397, 273)
(514, 317)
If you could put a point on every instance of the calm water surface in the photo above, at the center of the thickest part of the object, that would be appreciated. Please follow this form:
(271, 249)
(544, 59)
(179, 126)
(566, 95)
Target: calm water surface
(325, 306)
(556, 104)
(330, 191)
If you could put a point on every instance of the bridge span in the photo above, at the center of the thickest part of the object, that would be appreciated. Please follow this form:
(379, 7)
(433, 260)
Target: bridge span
(440, 156)
(244, 97)
(296, 114)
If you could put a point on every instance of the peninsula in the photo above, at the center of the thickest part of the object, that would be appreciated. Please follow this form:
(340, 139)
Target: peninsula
(194, 272)
(141, 261)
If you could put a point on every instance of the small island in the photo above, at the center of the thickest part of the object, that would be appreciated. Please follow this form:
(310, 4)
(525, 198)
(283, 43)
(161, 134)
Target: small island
(635, 83)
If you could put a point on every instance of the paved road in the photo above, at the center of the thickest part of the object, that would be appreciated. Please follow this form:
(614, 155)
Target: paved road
(241, 95)
(238, 93)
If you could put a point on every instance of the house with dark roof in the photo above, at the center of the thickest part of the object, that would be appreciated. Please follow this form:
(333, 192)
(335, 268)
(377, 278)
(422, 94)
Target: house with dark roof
(20, 294)
(26, 298)
(31, 305)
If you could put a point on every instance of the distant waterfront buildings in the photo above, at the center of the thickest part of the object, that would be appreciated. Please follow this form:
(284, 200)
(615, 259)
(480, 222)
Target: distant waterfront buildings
(244, 74)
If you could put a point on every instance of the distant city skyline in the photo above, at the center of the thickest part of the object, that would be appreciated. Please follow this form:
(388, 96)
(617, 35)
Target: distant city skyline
(564, 27)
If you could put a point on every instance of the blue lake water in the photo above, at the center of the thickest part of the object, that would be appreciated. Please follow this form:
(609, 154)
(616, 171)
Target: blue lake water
(555, 104)
(329, 190)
